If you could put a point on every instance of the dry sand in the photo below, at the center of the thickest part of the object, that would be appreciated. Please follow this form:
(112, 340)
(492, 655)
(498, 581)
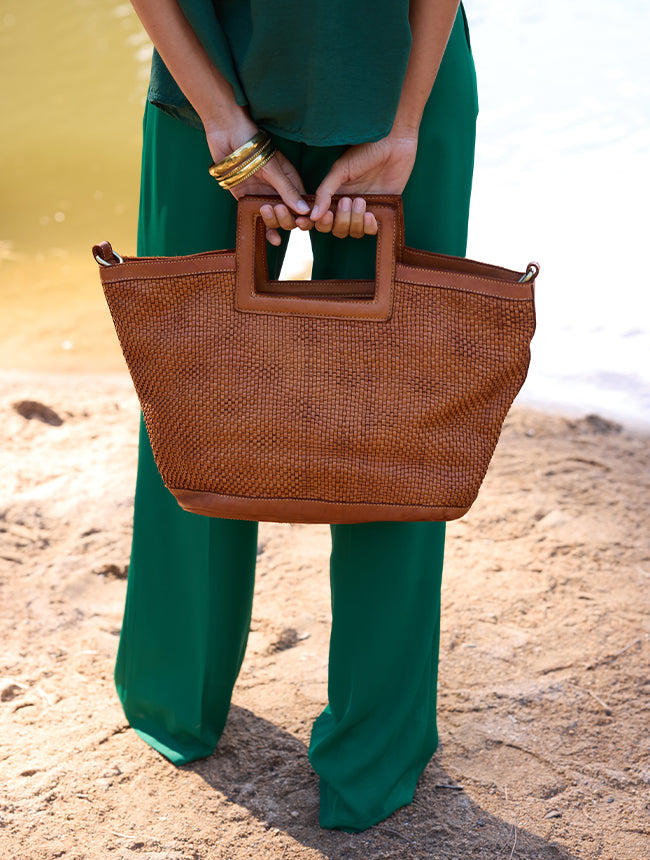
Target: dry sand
(544, 710)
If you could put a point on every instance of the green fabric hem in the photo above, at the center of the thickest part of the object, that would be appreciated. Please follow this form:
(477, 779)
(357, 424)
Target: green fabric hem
(347, 140)
(172, 754)
(184, 112)
(331, 824)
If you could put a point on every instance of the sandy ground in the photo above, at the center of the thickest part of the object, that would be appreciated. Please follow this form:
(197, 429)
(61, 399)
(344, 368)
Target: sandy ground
(544, 684)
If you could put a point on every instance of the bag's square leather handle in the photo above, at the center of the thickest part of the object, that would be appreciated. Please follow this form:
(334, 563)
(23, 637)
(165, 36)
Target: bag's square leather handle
(252, 274)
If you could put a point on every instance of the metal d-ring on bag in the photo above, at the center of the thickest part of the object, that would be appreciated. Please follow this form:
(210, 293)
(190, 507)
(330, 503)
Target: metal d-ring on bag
(322, 401)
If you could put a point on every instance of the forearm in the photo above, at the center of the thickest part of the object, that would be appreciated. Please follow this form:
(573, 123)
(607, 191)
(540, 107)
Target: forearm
(207, 90)
(431, 23)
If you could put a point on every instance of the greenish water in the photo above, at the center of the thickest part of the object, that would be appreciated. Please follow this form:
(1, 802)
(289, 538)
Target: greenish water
(74, 77)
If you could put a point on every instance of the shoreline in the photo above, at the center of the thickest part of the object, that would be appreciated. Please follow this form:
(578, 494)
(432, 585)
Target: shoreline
(525, 401)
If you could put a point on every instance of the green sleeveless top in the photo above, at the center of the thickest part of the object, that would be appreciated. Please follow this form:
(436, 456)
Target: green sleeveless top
(322, 72)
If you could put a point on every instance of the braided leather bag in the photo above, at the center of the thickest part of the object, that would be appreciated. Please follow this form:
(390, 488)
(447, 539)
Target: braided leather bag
(322, 401)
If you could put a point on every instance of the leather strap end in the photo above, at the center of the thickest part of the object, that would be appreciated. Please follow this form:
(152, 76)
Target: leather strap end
(103, 253)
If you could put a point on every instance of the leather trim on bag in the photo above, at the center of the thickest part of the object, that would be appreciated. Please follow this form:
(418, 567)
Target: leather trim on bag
(308, 510)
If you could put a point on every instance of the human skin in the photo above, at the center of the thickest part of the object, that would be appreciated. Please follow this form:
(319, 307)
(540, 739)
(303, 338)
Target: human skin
(380, 167)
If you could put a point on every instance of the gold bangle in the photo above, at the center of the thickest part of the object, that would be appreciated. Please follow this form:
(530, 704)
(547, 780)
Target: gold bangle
(262, 150)
(241, 154)
(243, 175)
(250, 147)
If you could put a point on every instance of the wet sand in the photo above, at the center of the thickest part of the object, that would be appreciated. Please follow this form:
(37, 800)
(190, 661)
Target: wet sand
(543, 699)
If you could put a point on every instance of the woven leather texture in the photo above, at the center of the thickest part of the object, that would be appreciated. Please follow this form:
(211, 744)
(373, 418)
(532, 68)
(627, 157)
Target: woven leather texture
(396, 414)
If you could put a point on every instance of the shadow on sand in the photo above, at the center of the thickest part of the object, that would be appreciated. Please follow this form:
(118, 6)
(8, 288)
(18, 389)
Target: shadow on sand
(265, 770)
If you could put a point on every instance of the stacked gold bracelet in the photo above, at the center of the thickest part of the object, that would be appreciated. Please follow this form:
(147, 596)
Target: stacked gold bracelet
(246, 160)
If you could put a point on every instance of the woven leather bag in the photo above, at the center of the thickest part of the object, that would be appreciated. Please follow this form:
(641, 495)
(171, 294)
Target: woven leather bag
(322, 401)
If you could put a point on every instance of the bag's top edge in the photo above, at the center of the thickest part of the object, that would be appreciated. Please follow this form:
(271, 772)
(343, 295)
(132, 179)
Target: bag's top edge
(416, 267)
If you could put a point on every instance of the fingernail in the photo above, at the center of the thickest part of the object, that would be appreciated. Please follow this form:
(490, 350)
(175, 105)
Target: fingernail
(359, 204)
(345, 204)
(302, 207)
(315, 212)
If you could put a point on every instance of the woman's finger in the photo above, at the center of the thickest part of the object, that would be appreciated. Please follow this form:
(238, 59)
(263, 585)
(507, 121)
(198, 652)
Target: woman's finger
(271, 223)
(269, 217)
(356, 217)
(279, 176)
(341, 227)
(304, 223)
(326, 189)
(324, 224)
(282, 175)
(370, 226)
(283, 217)
(277, 217)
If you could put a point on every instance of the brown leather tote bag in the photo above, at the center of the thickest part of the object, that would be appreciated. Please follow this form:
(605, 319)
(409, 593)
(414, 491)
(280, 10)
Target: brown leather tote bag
(322, 401)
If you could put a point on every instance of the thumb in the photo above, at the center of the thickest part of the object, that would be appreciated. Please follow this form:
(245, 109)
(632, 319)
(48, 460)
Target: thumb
(290, 188)
(326, 189)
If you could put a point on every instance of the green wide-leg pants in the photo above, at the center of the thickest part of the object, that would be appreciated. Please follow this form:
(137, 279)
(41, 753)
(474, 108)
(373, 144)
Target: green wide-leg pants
(190, 584)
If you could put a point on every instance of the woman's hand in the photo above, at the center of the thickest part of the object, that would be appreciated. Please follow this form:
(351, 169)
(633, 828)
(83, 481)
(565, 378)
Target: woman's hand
(382, 167)
(278, 176)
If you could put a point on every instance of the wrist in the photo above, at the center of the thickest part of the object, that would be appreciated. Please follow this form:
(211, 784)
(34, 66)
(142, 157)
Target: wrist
(405, 134)
(228, 132)
(405, 128)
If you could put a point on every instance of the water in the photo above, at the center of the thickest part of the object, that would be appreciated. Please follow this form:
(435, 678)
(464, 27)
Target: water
(562, 176)
(73, 83)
